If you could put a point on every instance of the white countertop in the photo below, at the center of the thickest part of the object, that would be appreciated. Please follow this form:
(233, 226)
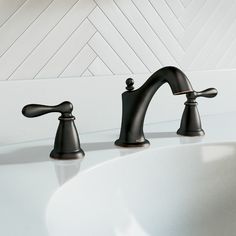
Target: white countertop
(28, 177)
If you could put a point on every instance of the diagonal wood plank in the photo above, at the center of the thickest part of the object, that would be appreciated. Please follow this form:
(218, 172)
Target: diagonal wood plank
(228, 56)
(223, 45)
(87, 73)
(208, 48)
(8, 9)
(54, 40)
(101, 47)
(68, 51)
(204, 34)
(17, 25)
(48, 38)
(159, 27)
(168, 18)
(198, 23)
(191, 12)
(177, 8)
(146, 32)
(34, 35)
(80, 63)
(128, 32)
(118, 43)
(98, 67)
(186, 2)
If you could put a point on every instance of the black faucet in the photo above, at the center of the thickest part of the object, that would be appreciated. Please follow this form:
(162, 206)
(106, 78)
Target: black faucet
(191, 122)
(135, 103)
(67, 144)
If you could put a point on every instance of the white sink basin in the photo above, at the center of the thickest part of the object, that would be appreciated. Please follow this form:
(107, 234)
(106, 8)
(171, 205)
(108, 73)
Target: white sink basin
(179, 191)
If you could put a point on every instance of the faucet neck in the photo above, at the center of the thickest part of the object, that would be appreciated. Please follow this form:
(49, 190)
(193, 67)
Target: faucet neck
(136, 102)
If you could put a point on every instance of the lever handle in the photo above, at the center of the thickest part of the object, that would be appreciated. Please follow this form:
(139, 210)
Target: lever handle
(191, 121)
(34, 110)
(66, 144)
(207, 93)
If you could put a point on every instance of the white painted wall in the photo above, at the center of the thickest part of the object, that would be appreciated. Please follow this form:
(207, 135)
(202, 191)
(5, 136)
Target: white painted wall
(73, 38)
(97, 103)
(83, 51)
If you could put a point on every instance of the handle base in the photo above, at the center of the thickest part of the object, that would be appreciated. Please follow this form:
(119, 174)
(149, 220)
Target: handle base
(190, 133)
(125, 144)
(67, 156)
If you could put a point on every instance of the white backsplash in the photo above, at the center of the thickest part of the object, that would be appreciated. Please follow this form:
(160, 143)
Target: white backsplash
(74, 38)
(97, 103)
(96, 44)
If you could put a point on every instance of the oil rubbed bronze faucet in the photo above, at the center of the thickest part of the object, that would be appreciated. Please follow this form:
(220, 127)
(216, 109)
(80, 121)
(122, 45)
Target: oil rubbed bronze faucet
(135, 103)
(191, 122)
(67, 143)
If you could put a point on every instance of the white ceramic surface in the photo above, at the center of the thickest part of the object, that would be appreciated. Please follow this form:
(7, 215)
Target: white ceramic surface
(29, 179)
(178, 191)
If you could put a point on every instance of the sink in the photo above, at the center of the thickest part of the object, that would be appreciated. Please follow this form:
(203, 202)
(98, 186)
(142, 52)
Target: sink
(186, 190)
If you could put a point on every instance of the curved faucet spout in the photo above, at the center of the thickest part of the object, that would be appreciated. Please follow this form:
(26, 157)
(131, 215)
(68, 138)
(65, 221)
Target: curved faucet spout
(135, 104)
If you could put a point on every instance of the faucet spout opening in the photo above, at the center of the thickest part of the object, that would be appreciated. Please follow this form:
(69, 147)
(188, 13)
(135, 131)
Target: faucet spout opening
(182, 92)
(177, 80)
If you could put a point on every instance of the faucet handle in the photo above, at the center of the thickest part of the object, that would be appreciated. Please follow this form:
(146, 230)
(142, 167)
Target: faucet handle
(35, 110)
(207, 93)
(191, 121)
(67, 143)
(129, 84)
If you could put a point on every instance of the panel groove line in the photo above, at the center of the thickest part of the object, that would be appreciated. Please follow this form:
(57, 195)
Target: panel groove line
(126, 41)
(203, 35)
(191, 12)
(116, 41)
(76, 55)
(166, 24)
(89, 64)
(128, 32)
(174, 13)
(208, 49)
(105, 51)
(101, 60)
(80, 63)
(23, 47)
(80, 38)
(185, 3)
(25, 30)
(56, 38)
(162, 50)
(13, 13)
(156, 61)
(99, 68)
(148, 35)
(60, 47)
(45, 38)
(168, 44)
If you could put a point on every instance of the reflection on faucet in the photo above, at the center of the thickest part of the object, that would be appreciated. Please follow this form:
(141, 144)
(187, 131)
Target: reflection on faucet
(65, 170)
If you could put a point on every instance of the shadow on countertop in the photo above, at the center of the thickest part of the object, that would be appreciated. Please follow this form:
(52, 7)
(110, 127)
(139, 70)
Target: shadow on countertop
(156, 135)
(41, 153)
(26, 155)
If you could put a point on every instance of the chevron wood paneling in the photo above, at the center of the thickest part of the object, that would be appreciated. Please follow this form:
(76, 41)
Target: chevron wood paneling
(59, 39)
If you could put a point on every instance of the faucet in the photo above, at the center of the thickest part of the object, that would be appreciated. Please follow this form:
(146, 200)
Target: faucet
(67, 143)
(191, 122)
(135, 103)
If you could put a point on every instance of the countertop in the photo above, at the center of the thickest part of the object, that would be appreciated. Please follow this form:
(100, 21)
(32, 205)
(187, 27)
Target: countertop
(28, 177)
